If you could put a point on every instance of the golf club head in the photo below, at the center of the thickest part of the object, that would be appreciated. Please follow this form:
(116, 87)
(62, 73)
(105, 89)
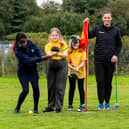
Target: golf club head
(73, 75)
(116, 106)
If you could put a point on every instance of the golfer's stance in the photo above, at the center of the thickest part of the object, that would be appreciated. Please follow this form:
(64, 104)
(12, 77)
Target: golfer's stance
(106, 51)
(28, 55)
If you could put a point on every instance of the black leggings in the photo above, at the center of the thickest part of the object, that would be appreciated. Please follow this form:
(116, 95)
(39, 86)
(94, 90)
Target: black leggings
(104, 75)
(25, 91)
(72, 83)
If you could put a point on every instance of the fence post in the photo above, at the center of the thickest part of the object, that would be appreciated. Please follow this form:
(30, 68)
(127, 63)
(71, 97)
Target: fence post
(2, 61)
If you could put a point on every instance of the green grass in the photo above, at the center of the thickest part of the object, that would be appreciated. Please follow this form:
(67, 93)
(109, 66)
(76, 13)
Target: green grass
(93, 119)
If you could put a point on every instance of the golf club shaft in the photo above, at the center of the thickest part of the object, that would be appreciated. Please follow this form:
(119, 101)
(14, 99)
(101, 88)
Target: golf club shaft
(116, 83)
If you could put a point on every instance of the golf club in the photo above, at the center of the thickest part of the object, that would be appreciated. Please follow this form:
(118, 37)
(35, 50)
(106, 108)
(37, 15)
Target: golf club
(116, 103)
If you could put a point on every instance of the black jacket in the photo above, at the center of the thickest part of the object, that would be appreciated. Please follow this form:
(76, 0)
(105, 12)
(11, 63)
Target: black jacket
(108, 42)
(27, 58)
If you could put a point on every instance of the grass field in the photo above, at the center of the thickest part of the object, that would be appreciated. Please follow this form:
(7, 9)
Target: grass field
(93, 119)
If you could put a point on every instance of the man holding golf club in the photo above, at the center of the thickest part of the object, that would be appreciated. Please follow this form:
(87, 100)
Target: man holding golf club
(106, 51)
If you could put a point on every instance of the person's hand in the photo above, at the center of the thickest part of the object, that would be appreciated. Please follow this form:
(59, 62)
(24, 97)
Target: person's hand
(53, 54)
(59, 54)
(48, 56)
(76, 69)
(114, 59)
(86, 20)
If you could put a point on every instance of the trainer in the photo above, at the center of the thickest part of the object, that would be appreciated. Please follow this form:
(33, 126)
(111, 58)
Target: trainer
(106, 51)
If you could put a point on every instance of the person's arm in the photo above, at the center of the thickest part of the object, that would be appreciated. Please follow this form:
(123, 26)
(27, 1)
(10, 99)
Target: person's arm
(25, 58)
(30, 60)
(80, 66)
(69, 62)
(62, 54)
(45, 57)
(76, 68)
(71, 67)
(114, 58)
(92, 33)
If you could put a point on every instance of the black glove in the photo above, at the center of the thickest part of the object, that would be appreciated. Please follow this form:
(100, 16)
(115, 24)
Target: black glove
(74, 75)
(55, 49)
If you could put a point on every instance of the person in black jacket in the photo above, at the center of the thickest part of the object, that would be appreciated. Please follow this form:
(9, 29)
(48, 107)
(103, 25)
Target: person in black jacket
(106, 51)
(28, 55)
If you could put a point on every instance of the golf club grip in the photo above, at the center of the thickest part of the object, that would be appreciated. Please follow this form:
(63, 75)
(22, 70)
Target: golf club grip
(116, 68)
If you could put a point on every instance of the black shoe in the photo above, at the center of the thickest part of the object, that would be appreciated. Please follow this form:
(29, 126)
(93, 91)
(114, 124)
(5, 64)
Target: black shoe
(16, 111)
(70, 108)
(58, 110)
(48, 109)
(36, 112)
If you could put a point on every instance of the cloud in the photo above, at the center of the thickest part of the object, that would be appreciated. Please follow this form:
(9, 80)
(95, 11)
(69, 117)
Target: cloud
(39, 2)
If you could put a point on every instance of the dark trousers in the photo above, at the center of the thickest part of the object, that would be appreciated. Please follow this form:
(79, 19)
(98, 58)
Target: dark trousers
(25, 91)
(72, 86)
(56, 81)
(104, 75)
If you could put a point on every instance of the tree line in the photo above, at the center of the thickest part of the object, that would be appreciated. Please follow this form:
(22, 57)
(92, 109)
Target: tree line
(25, 15)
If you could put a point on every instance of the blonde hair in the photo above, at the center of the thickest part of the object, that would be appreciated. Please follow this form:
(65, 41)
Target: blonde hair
(58, 32)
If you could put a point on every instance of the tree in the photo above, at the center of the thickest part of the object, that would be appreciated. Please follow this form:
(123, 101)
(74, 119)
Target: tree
(31, 8)
(96, 5)
(2, 29)
(50, 6)
(82, 6)
(6, 15)
(120, 12)
(19, 16)
(68, 23)
(78, 6)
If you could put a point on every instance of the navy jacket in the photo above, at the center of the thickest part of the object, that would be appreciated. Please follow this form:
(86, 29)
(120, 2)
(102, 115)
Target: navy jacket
(27, 59)
(108, 42)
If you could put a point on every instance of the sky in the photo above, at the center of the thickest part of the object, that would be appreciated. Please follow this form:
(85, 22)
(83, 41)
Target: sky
(39, 2)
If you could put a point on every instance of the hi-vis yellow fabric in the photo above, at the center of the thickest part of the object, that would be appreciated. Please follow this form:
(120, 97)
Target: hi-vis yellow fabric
(62, 46)
(75, 58)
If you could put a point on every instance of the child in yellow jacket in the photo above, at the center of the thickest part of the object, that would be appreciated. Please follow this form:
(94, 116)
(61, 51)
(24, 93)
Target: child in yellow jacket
(76, 71)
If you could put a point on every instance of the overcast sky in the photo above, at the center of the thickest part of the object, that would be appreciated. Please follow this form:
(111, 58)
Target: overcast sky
(39, 2)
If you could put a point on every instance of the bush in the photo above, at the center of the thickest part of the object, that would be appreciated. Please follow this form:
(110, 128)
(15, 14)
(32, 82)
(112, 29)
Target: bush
(2, 29)
(123, 64)
(124, 57)
(41, 39)
(10, 64)
(68, 23)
